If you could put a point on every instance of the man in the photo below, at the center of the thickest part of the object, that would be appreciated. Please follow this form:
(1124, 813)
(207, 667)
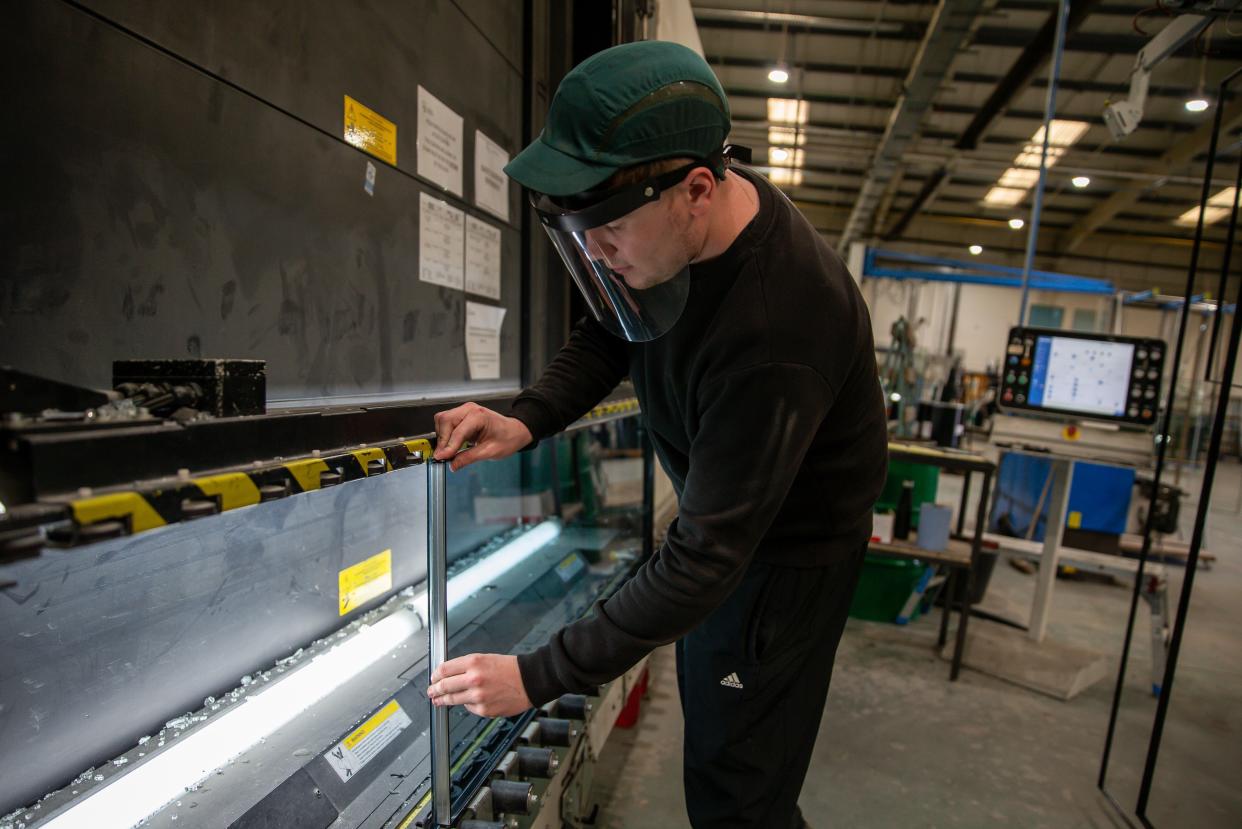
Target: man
(750, 350)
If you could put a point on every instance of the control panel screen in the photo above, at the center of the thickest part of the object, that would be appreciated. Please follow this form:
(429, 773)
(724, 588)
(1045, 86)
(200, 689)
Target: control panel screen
(1081, 375)
(1089, 375)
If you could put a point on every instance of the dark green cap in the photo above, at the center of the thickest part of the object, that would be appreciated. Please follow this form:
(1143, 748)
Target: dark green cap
(627, 105)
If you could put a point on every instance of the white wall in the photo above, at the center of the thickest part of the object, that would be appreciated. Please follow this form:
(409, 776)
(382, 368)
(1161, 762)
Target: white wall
(674, 20)
(1142, 322)
(986, 313)
(1068, 302)
(888, 299)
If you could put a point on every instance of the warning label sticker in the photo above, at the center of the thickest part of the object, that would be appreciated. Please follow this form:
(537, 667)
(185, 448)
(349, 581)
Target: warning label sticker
(349, 755)
(361, 582)
(370, 132)
(569, 567)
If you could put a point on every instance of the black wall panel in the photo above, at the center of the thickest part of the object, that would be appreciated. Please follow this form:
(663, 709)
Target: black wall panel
(177, 185)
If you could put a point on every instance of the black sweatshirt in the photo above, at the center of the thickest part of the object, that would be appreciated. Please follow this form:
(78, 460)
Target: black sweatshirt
(765, 409)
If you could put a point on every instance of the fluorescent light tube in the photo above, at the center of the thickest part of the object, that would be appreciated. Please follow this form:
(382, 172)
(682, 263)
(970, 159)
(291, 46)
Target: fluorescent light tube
(147, 787)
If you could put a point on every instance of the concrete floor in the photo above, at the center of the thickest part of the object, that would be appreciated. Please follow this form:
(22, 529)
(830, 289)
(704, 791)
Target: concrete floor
(901, 746)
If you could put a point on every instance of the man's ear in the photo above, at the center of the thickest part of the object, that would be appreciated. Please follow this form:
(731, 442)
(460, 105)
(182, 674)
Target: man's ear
(701, 188)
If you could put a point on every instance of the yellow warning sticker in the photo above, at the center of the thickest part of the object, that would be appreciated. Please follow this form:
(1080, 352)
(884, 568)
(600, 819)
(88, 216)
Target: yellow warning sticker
(364, 581)
(370, 132)
(569, 567)
(1075, 520)
(367, 740)
(370, 725)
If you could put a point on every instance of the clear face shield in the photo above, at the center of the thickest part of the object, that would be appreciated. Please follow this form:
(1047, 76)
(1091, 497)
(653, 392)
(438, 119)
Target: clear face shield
(635, 306)
(634, 314)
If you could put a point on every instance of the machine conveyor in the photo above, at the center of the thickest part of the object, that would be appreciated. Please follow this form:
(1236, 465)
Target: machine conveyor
(317, 602)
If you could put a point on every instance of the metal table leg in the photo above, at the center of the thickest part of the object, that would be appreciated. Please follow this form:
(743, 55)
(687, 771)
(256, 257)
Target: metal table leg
(964, 503)
(976, 547)
(1155, 593)
(437, 632)
(947, 593)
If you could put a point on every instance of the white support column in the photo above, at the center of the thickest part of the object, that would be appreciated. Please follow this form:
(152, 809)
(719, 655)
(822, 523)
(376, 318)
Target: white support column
(1058, 501)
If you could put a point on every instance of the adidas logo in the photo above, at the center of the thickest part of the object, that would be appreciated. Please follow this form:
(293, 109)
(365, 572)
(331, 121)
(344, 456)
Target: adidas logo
(732, 681)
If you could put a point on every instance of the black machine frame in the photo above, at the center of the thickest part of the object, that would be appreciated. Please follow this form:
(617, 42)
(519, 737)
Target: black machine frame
(1223, 381)
(346, 423)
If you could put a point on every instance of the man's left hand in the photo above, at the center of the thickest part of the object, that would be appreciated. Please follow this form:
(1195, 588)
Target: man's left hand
(488, 684)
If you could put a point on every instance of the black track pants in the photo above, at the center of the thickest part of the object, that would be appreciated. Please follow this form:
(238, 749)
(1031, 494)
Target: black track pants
(753, 680)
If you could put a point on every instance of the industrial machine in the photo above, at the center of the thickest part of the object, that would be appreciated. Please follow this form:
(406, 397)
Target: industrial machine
(223, 621)
(1096, 395)
(1101, 376)
(214, 573)
(1066, 398)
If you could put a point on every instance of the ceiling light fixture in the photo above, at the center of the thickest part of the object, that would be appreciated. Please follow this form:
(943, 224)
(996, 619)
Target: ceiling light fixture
(786, 157)
(1198, 102)
(1061, 134)
(787, 111)
(1014, 183)
(1019, 177)
(1218, 207)
(778, 74)
(786, 136)
(1017, 224)
(1006, 196)
(785, 176)
(975, 250)
(1080, 181)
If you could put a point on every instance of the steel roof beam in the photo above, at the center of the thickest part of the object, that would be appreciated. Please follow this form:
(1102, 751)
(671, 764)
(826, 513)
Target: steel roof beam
(944, 109)
(896, 72)
(996, 36)
(748, 19)
(1033, 56)
(1181, 153)
(949, 30)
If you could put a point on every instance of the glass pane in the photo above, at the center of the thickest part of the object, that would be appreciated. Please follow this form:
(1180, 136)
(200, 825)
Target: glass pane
(534, 541)
(273, 658)
(241, 647)
(1084, 319)
(1045, 316)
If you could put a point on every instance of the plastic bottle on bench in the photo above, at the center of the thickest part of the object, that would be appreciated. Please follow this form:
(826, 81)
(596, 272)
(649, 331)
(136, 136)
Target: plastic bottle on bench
(905, 506)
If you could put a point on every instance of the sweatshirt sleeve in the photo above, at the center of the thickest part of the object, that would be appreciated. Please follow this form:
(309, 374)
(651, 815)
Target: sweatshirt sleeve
(589, 366)
(754, 430)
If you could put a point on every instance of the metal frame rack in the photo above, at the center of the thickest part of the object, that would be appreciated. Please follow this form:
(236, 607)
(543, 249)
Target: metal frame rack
(1223, 383)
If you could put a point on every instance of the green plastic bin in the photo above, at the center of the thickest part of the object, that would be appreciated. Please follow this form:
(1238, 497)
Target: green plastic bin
(883, 588)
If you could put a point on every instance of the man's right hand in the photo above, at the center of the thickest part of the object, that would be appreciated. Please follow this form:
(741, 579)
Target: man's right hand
(491, 435)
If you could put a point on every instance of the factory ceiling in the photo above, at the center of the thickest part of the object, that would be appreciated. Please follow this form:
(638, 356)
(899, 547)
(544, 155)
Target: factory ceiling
(910, 124)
